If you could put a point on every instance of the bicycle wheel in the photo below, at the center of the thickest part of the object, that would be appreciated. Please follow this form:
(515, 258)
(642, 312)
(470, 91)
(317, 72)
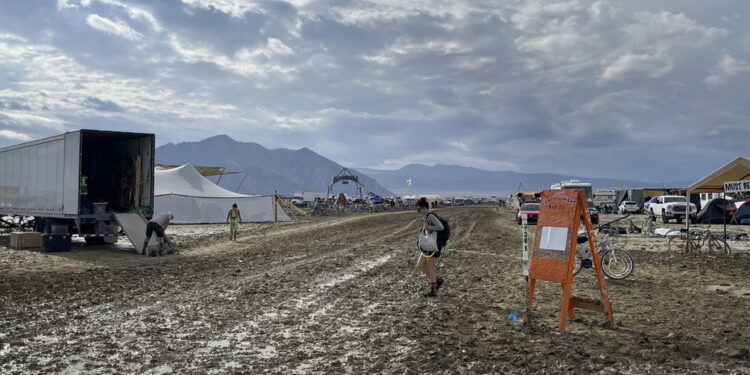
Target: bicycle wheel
(617, 264)
(719, 245)
(677, 243)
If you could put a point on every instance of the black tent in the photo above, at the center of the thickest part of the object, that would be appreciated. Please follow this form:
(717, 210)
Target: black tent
(717, 211)
(742, 215)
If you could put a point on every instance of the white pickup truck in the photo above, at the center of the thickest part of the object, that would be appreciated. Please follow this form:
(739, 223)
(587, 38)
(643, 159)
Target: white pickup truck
(670, 207)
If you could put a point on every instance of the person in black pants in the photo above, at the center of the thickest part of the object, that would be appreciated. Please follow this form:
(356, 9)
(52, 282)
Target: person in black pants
(158, 225)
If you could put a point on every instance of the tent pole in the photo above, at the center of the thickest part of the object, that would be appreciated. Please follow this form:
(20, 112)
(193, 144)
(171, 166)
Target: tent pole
(222, 173)
(241, 182)
(724, 214)
(687, 221)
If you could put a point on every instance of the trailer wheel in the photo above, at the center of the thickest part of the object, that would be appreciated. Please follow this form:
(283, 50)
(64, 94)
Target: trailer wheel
(92, 241)
(39, 225)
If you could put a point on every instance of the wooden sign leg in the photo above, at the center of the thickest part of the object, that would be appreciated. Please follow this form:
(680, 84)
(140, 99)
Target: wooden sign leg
(606, 304)
(566, 307)
(530, 301)
(605, 297)
(571, 311)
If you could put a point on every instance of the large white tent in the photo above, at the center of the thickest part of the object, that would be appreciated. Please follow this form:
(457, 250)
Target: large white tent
(194, 199)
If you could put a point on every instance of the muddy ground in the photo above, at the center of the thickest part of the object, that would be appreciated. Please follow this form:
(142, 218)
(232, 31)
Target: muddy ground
(341, 295)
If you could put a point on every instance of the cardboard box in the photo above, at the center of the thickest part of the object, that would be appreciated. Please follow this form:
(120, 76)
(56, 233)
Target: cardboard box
(25, 240)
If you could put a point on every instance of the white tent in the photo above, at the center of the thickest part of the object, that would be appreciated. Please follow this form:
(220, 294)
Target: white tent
(194, 199)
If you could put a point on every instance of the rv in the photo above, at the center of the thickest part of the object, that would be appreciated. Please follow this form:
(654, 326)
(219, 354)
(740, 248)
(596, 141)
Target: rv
(575, 184)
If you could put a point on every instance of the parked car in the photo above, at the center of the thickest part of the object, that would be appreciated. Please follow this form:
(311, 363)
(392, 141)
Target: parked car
(649, 203)
(531, 210)
(629, 207)
(671, 207)
(375, 199)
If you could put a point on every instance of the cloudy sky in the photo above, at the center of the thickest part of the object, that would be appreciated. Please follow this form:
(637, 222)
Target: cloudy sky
(648, 90)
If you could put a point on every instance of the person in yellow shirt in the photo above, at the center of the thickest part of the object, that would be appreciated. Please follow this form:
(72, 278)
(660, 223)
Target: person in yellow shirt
(234, 219)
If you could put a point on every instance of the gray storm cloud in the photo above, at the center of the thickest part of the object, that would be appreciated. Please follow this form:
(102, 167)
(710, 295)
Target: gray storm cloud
(629, 89)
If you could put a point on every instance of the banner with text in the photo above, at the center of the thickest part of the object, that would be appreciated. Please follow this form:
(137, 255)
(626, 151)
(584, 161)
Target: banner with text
(736, 186)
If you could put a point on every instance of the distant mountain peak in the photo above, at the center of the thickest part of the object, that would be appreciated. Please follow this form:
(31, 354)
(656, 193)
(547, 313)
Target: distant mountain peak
(222, 138)
(262, 171)
(454, 178)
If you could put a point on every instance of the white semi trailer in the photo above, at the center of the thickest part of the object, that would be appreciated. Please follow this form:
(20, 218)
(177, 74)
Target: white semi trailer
(74, 182)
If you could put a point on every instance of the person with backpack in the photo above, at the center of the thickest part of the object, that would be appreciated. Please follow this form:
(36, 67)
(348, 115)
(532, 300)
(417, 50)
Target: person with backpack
(428, 260)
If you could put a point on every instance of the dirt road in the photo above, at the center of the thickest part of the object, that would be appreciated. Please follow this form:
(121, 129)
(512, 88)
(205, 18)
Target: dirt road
(341, 295)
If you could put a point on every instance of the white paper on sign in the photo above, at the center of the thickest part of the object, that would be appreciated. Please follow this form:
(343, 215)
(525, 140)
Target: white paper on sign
(554, 238)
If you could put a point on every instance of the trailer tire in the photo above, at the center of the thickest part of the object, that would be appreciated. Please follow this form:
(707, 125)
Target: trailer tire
(39, 225)
(94, 241)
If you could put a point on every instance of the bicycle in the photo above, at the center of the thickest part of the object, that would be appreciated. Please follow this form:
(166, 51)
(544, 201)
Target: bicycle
(632, 228)
(693, 242)
(648, 226)
(616, 264)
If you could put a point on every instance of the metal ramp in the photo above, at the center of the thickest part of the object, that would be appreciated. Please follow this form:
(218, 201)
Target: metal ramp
(134, 226)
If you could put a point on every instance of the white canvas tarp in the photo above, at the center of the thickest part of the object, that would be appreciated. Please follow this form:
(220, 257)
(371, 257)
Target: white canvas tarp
(194, 199)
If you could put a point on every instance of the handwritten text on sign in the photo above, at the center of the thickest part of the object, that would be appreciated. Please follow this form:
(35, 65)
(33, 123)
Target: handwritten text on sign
(736, 186)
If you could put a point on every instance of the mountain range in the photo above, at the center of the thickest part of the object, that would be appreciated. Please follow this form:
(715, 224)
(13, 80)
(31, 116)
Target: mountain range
(263, 171)
(451, 178)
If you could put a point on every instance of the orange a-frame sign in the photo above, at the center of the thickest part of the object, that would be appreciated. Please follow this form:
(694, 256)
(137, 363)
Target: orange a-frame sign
(554, 252)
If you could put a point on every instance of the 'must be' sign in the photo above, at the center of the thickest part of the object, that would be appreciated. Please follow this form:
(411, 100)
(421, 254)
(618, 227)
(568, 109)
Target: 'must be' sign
(736, 186)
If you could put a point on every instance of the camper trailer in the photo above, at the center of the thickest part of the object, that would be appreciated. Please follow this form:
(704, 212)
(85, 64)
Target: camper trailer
(73, 182)
(575, 184)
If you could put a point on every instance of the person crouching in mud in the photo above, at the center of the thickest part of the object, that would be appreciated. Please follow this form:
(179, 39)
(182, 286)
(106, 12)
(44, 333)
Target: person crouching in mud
(158, 224)
(428, 260)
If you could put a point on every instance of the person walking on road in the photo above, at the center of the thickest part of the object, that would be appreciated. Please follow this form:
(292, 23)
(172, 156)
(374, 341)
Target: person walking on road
(234, 219)
(428, 260)
(158, 225)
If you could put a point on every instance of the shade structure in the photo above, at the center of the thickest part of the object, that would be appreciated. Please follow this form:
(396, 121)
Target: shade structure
(736, 170)
(194, 199)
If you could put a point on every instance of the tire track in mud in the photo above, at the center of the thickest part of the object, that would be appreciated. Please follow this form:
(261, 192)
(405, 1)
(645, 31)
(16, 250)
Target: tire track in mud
(467, 234)
(166, 308)
(359, 331)
(274, 268)
(309, 308)
(152, 305)
(305, 309)
(405, 227)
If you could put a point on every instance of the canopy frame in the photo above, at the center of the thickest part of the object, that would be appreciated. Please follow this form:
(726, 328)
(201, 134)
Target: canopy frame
(736, 170)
